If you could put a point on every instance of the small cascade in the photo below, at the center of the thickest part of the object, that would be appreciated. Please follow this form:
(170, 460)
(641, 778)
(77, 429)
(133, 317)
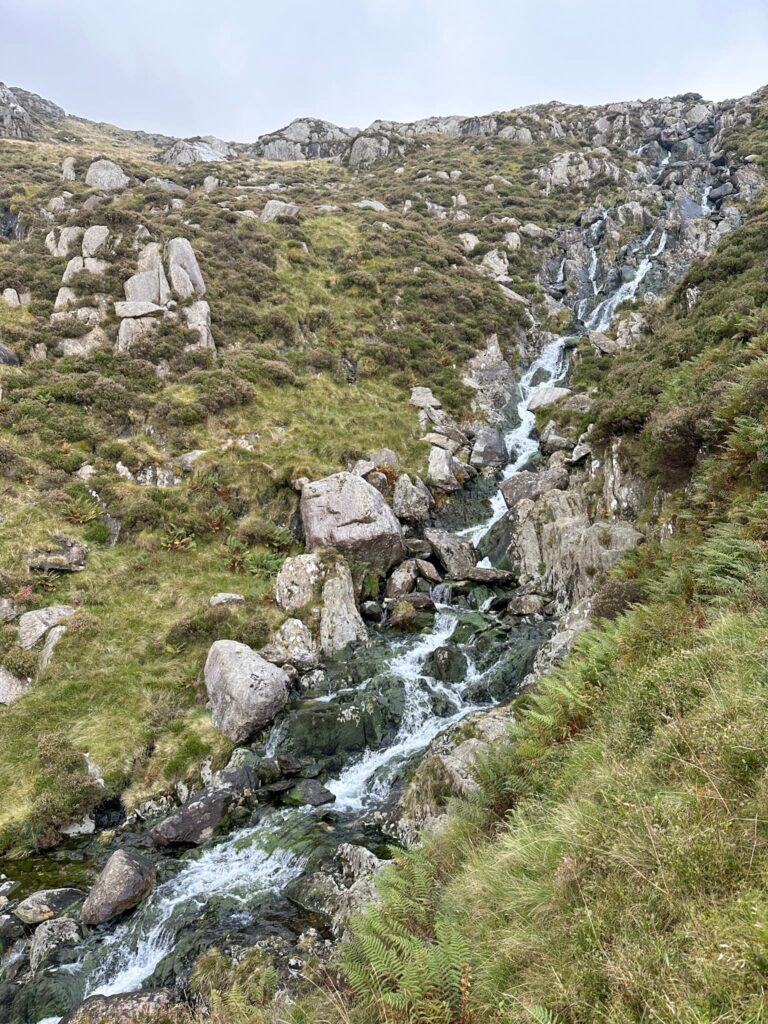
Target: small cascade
(603, 314)
(705, 201)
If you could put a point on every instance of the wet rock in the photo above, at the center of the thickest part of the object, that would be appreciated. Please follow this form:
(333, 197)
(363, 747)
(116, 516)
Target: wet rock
(309, 792)
(46, 904)
(64, 555)
(447, 664)
(344, 512)
(343, 888)
(456, 556)
(54, 942)
(488, 449)
(340, 621)
(245, 690)
(126, 879)
(125, 1008)
(195, 822)
(489, 575)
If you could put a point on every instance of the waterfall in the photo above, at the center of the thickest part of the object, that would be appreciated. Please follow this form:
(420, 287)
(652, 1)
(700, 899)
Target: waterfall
(603, 314)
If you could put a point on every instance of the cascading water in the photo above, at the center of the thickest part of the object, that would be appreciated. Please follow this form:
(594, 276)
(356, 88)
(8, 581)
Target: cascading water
(256, 863)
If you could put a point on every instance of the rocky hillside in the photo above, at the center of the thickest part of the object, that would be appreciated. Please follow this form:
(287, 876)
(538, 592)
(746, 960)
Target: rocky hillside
(267, 410)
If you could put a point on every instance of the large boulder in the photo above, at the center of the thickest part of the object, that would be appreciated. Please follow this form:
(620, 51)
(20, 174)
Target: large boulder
(345, 512)
(456, 556)
(106, 176)
(245, 690)
(340, 621)
(275, 208)
(148, 286)
(46, 904)
(547, 396)
(532, 485)
(126, 879)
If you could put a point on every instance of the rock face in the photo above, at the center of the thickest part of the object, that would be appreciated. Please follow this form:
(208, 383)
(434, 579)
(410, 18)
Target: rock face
(183, 268)
(192, 151)
(106, 176)
(46, 904)
(245, 690)
(345, 512)
(126, 879)
(305, 138)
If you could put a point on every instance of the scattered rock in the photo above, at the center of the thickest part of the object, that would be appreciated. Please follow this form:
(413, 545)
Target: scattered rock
(225, 598)
(95, 239)
(47, 904)
(181, 257)
(34, 625)
(7, 356)
(275, 208)
(245, 690)
(106, 176)
(412, 500)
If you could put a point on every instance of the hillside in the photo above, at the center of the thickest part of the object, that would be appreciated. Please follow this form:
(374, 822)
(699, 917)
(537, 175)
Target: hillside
(382, 422)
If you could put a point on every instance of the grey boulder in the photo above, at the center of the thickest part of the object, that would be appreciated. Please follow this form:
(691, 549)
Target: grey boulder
(412, 500)
(46, 904)
(245, 690)
(195, 822)
(345, 512)
(106, 176)
(456, 556)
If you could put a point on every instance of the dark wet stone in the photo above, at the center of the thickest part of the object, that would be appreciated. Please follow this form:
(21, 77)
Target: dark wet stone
(309, 791)
(447, 664)
(195, 822)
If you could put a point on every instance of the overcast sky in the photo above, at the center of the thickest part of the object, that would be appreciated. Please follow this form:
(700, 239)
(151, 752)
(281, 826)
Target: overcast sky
(239, 68)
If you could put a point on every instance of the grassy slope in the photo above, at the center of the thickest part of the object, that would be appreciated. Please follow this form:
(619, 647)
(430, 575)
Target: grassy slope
(297, 308)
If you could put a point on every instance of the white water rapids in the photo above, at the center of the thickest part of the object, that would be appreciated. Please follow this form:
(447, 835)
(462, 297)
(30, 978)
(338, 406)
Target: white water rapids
(253, 863)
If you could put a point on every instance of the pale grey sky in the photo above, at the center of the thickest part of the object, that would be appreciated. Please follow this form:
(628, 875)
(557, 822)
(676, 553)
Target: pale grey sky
(237, 69)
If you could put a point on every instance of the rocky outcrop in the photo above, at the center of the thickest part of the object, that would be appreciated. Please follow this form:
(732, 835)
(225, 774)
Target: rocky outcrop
(64, 555)
(201, 150)
(125, 1008)
(305, 138)
(346, 513)
(245, 690)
